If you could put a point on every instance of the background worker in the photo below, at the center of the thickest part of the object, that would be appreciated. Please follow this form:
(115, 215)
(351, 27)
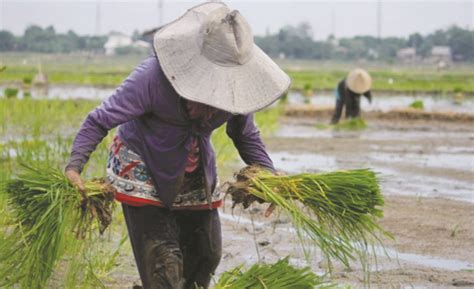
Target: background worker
(348, 92)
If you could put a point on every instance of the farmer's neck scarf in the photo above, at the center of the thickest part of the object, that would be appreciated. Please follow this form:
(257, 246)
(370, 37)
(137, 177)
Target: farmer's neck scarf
(200, 114)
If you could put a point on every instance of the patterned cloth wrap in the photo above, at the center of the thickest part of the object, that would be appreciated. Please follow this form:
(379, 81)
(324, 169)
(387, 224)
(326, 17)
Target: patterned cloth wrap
(128, 174)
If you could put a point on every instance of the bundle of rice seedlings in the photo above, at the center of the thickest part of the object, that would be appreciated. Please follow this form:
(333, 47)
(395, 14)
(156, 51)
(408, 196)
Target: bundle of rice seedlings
(417, 104)
(337, 211)
(48, 216)
(280, 275)
(351, 124)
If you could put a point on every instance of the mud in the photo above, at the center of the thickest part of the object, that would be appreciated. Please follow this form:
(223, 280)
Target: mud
(427, 170)
(432, 248)
(394, 114)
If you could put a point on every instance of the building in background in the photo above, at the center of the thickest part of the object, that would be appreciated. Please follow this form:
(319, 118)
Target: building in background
(407, 55)
(116, 40)
(441, 53)
(119, 43)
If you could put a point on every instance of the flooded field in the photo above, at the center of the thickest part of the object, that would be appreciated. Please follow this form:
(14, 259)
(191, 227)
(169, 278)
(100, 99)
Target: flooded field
(381, 102)
(68, 92)
(427, 174)
(426, 170)
(385, 102)
(429, 163)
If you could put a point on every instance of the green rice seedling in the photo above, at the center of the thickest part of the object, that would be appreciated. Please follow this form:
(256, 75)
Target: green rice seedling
(27, 80)
(10, 92)
(336, 211)
(63, 116)
(280, 275)
(322, 126)
(351, 124)
(458, 89)
(308, 90)
(91, 264)
(417, 104)
(48, 217)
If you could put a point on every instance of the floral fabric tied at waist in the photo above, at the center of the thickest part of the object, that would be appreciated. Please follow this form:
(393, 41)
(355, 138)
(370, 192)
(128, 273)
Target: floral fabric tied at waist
(128, 174)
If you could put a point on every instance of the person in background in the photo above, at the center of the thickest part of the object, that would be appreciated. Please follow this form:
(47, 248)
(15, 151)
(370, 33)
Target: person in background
(348, 92)
(206, 72)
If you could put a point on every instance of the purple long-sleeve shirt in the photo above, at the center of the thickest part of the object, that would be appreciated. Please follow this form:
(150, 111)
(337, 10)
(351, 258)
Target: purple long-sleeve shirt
(154, 124)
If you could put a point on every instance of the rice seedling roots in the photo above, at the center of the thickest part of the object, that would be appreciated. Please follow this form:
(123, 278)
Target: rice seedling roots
(240, 189)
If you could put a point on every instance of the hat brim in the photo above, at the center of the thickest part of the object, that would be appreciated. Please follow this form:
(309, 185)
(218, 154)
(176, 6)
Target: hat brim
(237, 89)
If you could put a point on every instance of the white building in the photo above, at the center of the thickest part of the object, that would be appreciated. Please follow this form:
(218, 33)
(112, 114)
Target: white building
(406, 54)
(441, 54)
(116, 40)
(141, 44)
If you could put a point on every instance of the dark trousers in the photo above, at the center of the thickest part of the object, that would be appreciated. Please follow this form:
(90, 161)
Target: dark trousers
(174, 249)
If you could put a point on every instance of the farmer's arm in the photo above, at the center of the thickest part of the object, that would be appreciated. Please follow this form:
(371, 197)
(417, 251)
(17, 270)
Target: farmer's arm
(131, 100)
(368, 95)
(339, 103)
(246, 137)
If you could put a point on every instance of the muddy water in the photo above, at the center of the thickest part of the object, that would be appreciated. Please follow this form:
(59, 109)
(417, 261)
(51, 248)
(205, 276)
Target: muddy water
(417, 163)
(258, 225)
(433, 235)
(388, 102)
(67, 92)
(380, 102)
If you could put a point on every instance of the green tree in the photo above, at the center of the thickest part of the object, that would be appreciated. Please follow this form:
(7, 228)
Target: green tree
(39, 40)
(461, 42)
(415, 40)
(7, 41)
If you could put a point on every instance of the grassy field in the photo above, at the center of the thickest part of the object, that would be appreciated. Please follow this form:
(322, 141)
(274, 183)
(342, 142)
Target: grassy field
(391, 81)
(110, 71)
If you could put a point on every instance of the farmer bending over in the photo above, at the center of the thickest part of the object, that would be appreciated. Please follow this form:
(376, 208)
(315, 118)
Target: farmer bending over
(358, 82)
(206, 72)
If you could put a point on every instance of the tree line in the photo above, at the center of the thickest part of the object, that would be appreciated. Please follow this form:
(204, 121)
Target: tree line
(288, 42)
(297, 42)
(46, 40)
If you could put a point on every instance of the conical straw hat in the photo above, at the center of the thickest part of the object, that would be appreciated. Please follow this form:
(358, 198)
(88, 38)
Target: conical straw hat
(359, 81)
(209, 56)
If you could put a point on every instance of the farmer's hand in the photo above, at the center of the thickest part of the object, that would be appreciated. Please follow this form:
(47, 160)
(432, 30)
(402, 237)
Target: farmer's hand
(271, 208)
(75, 179)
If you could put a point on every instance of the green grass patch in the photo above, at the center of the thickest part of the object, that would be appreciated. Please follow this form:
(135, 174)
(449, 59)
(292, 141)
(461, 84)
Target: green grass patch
(10, 92)
(322, 126)
(417, 104)
(353, 124)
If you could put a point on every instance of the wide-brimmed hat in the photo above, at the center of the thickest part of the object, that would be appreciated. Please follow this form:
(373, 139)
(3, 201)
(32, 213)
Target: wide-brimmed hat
(359, 81)
(209, 56)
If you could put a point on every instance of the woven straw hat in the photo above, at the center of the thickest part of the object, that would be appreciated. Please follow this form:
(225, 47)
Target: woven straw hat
(209, 56)
(359, 81)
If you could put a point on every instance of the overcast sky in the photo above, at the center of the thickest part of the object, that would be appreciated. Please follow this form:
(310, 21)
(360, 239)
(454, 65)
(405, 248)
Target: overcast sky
(345, 18)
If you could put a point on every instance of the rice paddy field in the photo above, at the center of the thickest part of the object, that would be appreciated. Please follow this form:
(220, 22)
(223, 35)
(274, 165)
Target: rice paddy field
(425, 164)
(319, 76)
